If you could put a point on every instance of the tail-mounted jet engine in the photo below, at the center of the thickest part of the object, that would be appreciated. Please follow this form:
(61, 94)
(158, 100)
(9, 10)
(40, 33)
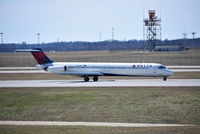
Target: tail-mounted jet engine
(55, 69)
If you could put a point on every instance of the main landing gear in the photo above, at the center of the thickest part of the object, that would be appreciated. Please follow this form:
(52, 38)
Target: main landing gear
(95, 78)
(86, 78)
(164, 78)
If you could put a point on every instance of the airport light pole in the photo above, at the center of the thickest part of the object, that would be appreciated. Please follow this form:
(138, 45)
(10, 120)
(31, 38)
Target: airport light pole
(100, 37)
(184, 35)
(38, 34)
(1, 38)
(112, 34)
(193, 34)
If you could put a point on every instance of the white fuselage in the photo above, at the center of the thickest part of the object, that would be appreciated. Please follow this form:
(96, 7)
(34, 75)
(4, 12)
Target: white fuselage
(109, 69)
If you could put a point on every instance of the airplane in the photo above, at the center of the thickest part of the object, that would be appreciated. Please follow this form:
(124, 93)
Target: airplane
(95, 69)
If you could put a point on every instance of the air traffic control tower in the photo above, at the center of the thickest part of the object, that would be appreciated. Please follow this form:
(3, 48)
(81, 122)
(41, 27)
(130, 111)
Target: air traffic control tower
(151, 30)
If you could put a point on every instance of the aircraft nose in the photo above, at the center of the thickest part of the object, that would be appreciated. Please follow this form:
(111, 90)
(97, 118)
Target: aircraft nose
(169, 72)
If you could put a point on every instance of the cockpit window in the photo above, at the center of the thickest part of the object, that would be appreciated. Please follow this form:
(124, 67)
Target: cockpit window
(161, 67)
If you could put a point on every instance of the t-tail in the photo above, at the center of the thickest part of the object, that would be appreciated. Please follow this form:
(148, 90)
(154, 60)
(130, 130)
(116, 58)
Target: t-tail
(39, 56)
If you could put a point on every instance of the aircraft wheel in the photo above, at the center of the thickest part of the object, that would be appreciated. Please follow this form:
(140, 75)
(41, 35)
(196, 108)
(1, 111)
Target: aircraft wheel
(86, 79)
(95, 78)
(164, 78)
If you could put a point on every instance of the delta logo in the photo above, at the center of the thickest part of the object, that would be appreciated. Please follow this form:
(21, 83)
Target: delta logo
(141, 66)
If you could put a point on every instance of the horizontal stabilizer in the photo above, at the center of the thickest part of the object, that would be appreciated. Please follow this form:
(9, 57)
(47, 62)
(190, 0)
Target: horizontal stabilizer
(28, 50)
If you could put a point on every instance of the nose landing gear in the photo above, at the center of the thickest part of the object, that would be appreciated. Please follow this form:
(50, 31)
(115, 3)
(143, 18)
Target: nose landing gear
(164, 78)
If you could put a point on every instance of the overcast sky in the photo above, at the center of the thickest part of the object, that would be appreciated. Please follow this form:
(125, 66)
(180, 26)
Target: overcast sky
(83, 20)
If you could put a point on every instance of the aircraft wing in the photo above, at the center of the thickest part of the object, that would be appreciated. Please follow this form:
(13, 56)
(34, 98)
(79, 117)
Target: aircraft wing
(82, 73)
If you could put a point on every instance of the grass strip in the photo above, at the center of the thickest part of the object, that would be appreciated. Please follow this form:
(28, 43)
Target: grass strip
(176, 105)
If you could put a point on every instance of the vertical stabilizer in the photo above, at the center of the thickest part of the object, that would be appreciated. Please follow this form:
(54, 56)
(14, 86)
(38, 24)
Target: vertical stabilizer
(38, 54)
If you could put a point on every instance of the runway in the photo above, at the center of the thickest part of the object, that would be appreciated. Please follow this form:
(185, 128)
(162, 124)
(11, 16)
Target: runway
(89, 124)
(103, 83)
